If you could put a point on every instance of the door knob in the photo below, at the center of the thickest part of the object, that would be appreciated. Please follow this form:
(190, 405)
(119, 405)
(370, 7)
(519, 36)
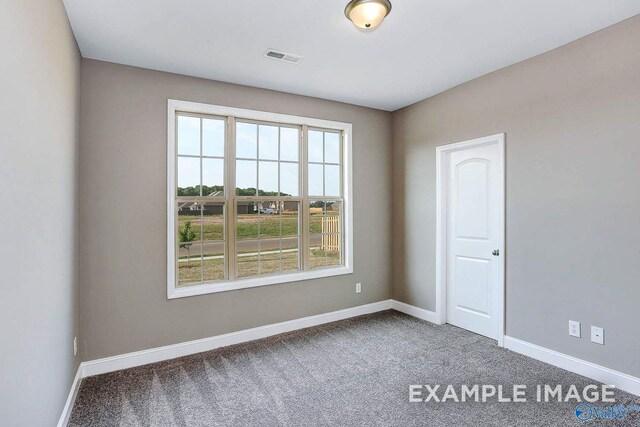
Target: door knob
(496, 252)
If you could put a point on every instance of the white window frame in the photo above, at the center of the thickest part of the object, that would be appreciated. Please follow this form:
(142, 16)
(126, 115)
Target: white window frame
(175, 106)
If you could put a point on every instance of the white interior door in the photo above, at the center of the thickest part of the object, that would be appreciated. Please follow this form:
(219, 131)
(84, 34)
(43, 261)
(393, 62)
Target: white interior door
(474, 236)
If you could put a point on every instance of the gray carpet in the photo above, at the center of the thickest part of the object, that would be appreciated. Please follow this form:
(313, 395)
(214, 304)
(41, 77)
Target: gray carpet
(354, 372)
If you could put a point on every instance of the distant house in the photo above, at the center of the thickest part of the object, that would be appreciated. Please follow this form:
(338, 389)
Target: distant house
(243, 207)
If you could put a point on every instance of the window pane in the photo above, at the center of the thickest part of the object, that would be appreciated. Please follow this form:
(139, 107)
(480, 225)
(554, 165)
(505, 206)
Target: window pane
(213, 237)
(246, 140)
(331, 222)
(246, 177)
(316, 215)
(331, 147)
(325, 238)
(268, 142)
(247, 258)
(190, 267)
(213, 137)
(315, 178)
(317, 255)
(269, 219)
(270, 237)
(291, 256)
(279, 247)
(332, 180)
(289, 179)
(213, 224)
(315, 146)
(189, 135)
(289, 138)
(289, 219)
(269, 259)
(247, 224)
(212, 177)
(268, 240)
(189, 244)
(332, 244)
(290, 238)
(268, 179)
(188, 176)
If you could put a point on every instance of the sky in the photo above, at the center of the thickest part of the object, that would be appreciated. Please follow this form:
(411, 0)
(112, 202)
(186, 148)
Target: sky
(265, 153)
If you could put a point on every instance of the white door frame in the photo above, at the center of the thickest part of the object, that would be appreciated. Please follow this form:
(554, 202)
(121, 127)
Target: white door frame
(441, 226)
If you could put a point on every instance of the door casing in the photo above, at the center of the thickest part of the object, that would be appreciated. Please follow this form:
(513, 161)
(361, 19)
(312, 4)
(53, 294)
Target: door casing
(441, 227)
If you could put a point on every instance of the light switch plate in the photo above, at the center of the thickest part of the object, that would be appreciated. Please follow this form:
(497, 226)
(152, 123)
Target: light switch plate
(597, 335)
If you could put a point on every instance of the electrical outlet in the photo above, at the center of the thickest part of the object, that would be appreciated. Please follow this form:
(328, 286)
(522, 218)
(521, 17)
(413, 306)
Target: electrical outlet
(597, 335)
(75, 346)
(574, 328)
(358, 288)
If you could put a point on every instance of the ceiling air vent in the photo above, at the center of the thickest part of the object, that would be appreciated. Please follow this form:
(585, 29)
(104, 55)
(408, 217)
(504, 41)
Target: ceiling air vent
(283, 56)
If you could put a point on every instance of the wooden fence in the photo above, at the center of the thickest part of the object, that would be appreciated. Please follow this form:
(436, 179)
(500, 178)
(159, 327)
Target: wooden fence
(331, 242)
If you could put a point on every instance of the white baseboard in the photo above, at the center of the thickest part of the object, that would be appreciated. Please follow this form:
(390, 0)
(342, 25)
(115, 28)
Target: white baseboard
(420, 313)
(573, 364)
(158, 354)
(68, 406)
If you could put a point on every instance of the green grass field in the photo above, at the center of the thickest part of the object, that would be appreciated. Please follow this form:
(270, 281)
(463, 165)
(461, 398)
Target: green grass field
(250, 226)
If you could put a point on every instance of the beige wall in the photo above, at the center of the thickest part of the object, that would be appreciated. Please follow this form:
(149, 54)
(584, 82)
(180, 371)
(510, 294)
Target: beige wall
(572, 123)
(124, 304)
(39, 130)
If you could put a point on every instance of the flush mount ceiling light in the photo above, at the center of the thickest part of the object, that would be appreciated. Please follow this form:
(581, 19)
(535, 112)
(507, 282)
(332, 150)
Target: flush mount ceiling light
(367, 14)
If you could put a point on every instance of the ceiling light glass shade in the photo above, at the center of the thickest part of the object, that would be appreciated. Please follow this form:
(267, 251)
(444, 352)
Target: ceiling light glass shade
(367, 14)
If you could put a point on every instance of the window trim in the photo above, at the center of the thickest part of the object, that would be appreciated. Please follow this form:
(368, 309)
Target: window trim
(175, 106)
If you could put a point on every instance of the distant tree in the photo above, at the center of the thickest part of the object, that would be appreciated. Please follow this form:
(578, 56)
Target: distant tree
(245, 191)
(207, 190)
(195, 191)
(186, 236)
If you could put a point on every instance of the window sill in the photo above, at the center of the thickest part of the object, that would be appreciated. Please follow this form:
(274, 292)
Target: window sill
(253, 282)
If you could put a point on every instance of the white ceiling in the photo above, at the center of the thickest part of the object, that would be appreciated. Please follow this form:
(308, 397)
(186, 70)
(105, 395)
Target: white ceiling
(424, 46)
